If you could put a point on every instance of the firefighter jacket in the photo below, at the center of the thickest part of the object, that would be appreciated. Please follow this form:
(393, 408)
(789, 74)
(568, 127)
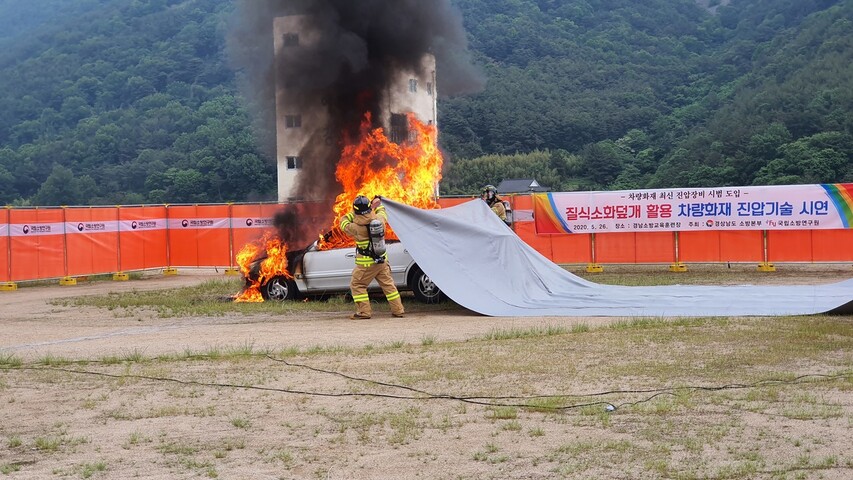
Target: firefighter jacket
(499, 209)
(356, 227)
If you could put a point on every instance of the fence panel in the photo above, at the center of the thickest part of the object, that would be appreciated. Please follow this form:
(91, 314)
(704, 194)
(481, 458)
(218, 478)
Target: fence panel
(5, 253)
(832, 245)
(574, 248)
(790, 246)
(91, 240)
(142, 237)
(198, 235)
(37, 243)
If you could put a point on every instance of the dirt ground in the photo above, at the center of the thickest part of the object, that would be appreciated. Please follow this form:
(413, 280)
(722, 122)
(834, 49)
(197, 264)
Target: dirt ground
(192, 419)
(33, 328)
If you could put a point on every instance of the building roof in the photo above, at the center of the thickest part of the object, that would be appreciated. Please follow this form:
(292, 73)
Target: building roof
(521, 185)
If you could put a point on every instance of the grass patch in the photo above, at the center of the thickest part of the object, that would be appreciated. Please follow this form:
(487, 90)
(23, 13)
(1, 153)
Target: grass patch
(86, 470)
(515, 333)
(8, 468)
(213, 298)
(9, 360)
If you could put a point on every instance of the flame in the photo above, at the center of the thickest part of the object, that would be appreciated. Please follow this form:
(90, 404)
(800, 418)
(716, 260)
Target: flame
(407, 172)
(275, 264)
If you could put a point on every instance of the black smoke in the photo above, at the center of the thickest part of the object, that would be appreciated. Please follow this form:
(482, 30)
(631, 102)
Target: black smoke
(362, 46)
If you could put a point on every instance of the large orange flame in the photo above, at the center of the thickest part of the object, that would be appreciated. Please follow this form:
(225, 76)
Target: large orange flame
(408, 172)
(275, 264)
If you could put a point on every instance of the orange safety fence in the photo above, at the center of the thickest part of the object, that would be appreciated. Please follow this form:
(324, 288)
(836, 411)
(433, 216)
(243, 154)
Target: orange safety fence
(91, 240)
(198, 236)
(43, 243)
(142, 237)
(5, 254)
(811, 246)
(37, 243)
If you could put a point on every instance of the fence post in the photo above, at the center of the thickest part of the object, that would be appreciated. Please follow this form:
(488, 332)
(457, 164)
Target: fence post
(766, 266)
(677, 266)
(593, 266)
(8, 285)
(168, 270)
(119, 276)
(231, 270)
(65, 281)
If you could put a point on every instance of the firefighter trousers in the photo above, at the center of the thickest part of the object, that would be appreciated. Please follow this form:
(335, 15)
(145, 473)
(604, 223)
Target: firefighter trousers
(362, 276)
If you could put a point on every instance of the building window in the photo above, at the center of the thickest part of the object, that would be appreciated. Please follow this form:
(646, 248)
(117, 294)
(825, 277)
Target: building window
(413, 85)
(399, 128)
(429, 88)
(291, 39)
(292, 121)
(294, 163)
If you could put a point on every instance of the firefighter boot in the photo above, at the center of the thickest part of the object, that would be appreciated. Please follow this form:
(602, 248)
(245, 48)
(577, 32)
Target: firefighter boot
(362, 311)
(397, 308)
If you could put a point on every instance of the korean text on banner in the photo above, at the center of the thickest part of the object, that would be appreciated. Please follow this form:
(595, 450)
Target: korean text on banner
(786, 207)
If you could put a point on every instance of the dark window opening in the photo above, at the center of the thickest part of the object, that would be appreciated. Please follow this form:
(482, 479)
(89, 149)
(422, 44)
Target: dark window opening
(292, 121)
(294, 163)
(429, 88)
(413, 85)
(399, 128)
(291, 39)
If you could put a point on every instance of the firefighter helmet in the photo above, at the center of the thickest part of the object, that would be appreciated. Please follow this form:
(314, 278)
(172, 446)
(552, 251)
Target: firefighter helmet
(489, 192)
(361, 205)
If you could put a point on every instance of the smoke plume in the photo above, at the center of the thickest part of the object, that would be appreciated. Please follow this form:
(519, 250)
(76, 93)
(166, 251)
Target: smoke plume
(362, 46)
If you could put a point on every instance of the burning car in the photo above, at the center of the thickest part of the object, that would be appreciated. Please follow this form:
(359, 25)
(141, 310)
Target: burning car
(274, 269)
(317, 271)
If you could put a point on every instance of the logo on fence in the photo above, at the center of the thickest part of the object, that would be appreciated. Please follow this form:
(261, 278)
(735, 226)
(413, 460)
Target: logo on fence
(185, 223)
(265, 222)
(36, 229)
(133, 225)
(80, 227)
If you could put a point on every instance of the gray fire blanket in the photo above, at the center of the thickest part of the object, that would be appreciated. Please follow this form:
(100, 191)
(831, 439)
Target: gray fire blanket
(482, 265)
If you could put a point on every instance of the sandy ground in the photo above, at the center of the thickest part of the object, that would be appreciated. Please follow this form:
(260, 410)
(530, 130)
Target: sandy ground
(57, 424)
(33, 328)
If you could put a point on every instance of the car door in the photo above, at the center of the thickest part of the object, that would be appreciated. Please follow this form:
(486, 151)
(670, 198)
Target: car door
(328, 270)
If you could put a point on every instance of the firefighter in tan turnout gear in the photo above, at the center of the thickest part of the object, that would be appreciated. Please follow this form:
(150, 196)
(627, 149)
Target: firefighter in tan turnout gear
(489, 194)
(366, 224)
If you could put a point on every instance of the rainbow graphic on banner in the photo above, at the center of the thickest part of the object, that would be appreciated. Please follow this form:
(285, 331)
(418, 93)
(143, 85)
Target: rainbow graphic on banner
(545, 215)
(841, 195)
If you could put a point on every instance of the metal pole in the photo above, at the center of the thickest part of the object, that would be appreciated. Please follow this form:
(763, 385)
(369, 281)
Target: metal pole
(593, 267)
(119, 275)
(9, 242)
(677, 266)
(168, 270)
(66, 280)
(766, 266)
(231, 270)
(64, 241)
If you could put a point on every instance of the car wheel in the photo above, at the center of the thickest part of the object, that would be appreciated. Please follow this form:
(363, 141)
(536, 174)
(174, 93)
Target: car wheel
(424, 289)
(279, 289)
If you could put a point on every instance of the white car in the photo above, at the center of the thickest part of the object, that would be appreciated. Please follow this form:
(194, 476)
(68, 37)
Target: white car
(322, 272)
